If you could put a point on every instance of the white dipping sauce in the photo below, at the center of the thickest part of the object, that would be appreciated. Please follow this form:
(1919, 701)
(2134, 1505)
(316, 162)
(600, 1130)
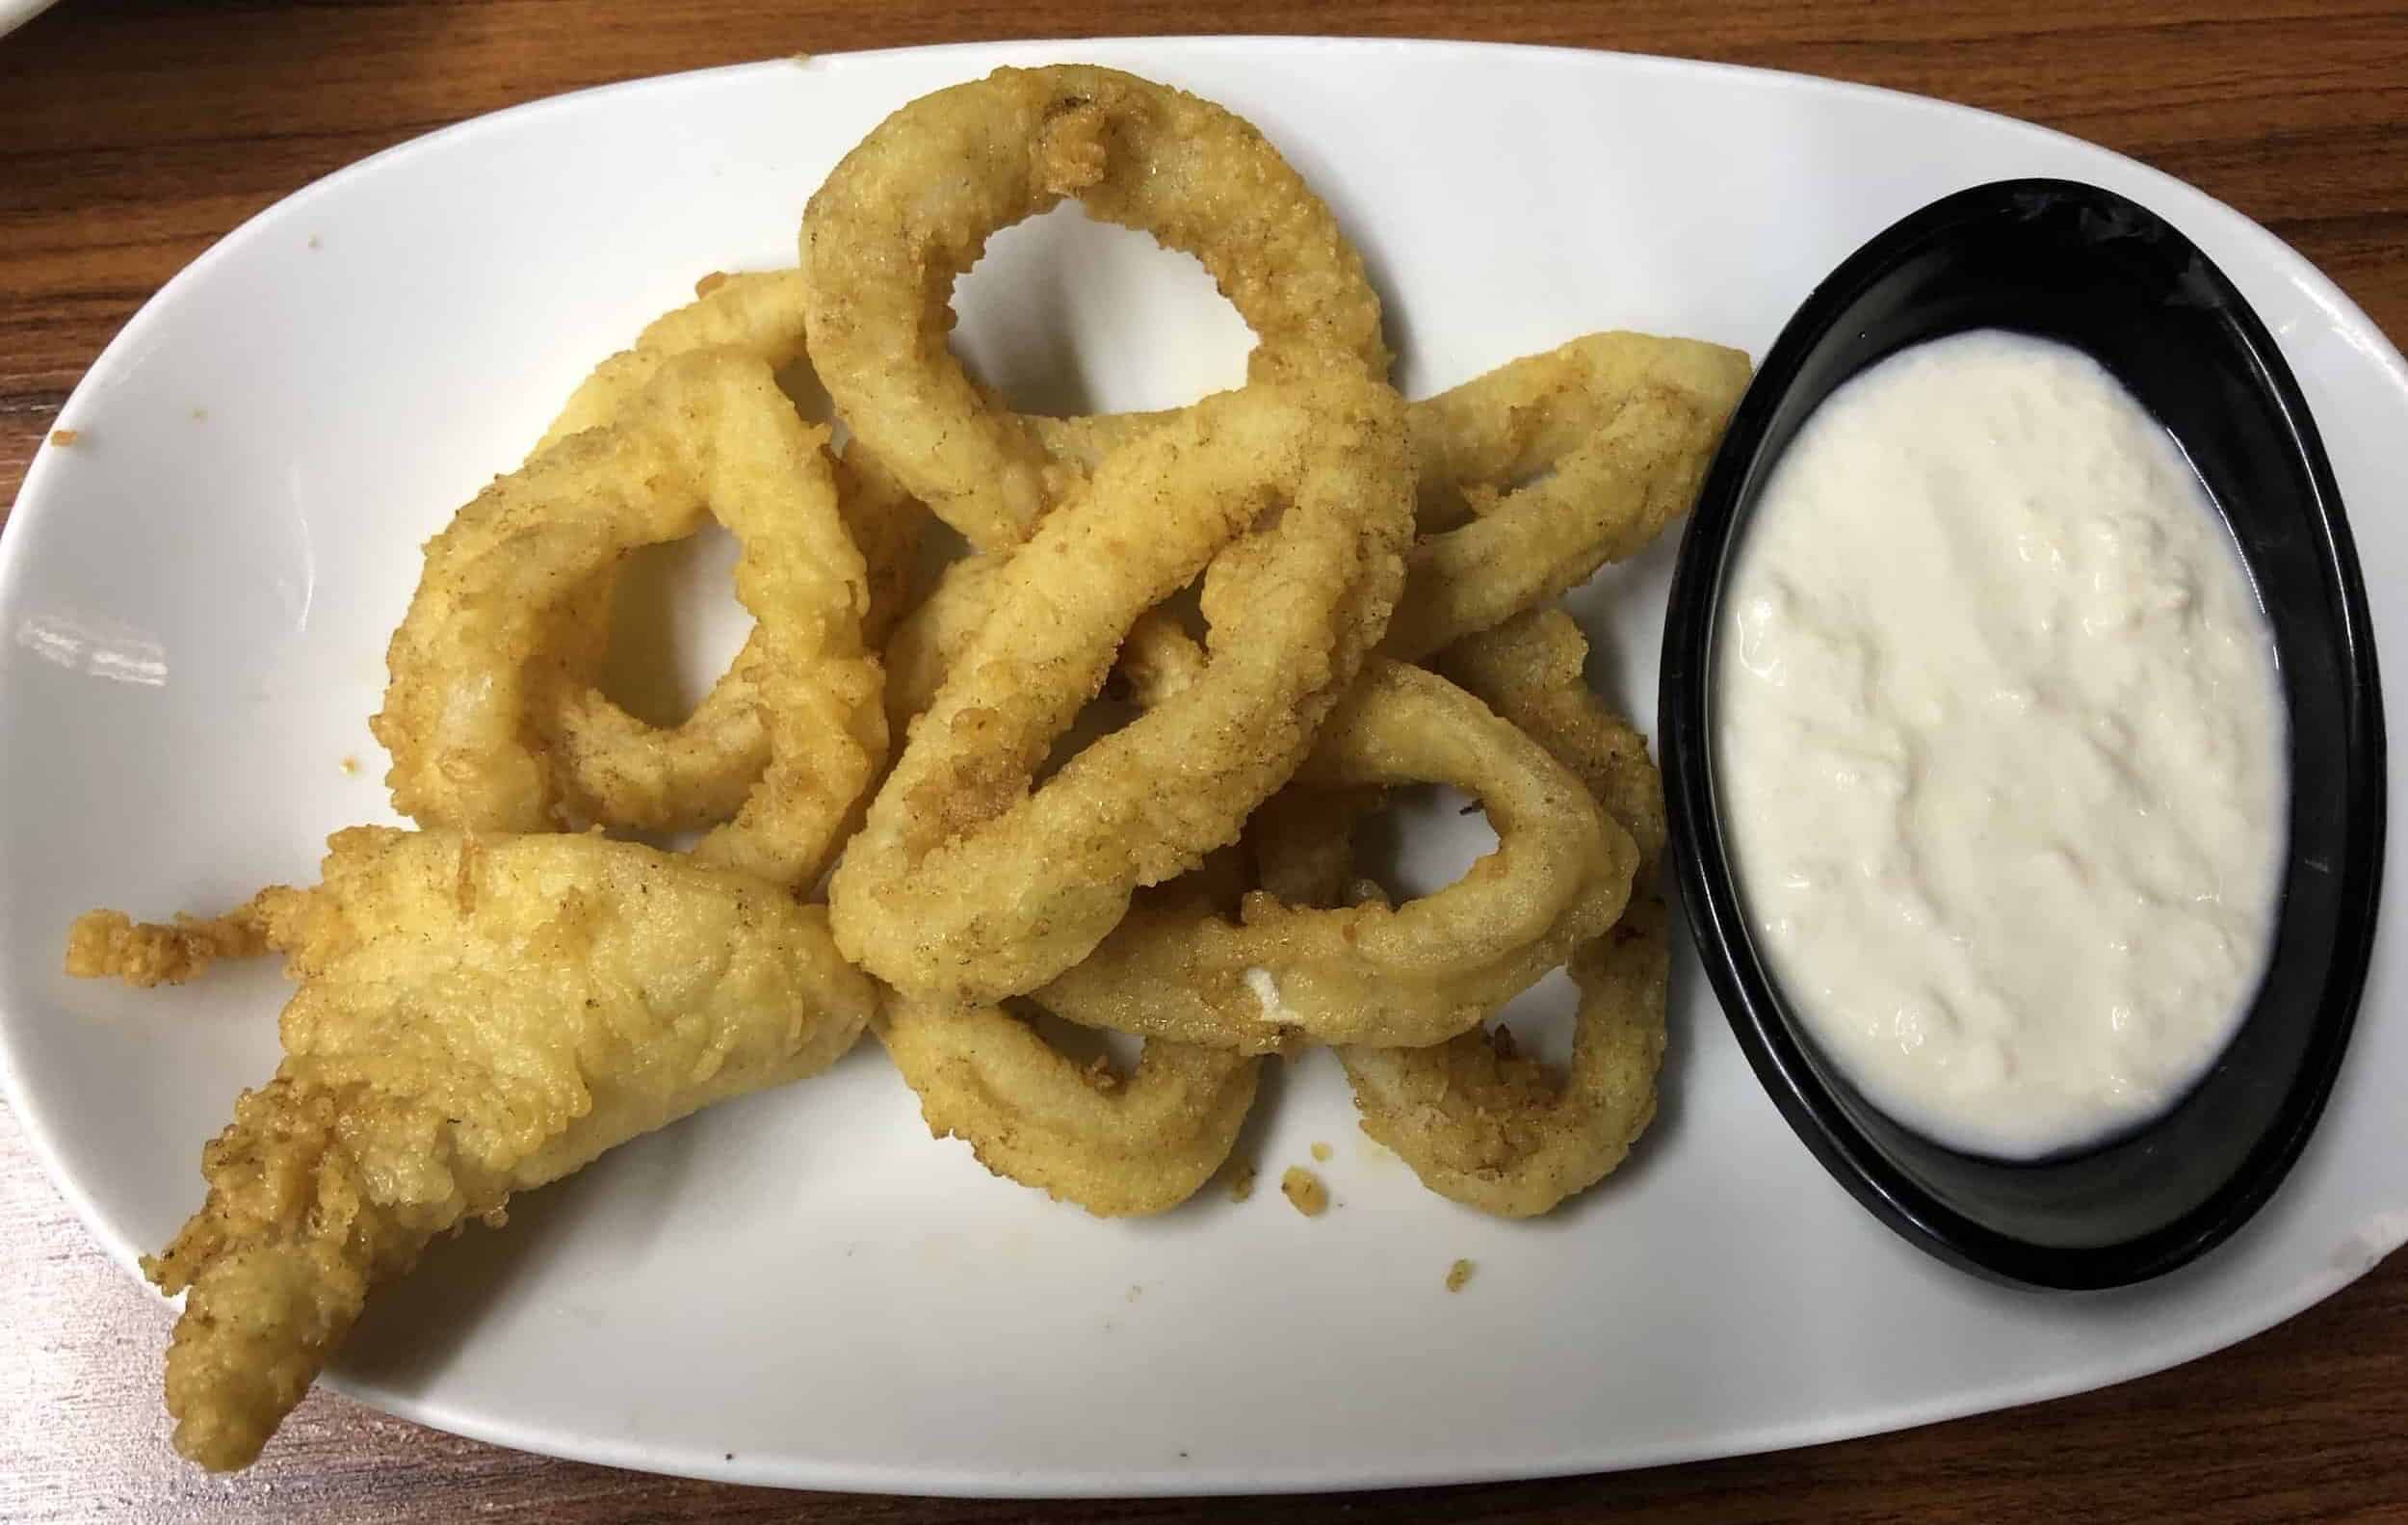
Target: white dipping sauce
(2001, 746)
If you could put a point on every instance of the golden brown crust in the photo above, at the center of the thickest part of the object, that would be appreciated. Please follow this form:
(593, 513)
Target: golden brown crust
(472, 1019)
(1117, 1146)
(969, 880)
(1478, 1121)
(880, 253)
(1285, 972)
(713, 437)
(110, 945)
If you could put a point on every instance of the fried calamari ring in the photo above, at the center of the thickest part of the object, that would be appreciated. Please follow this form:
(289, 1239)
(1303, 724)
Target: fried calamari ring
(761, 314)
(620, 771)
(1083, 1134)
(967, 883)
(1478, 1122)
(883, 249)
(616, 769)
(1482, 445)
(714, 435)
(1530, 670)
(1420, 973)
(1604, 501)
(1499, 442)
(758, 314)
(1117, 1146)
(1616, 429)
(926, 642)
(1485, 1126)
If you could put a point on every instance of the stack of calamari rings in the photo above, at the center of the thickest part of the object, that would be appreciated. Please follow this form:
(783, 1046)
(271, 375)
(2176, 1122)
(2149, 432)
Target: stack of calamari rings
(1305, 591)
(1376, 582)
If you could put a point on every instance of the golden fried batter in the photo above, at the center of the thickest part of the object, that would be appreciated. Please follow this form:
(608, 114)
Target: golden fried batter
(473, 1018)
(1478, 1122)
(1304, 1191)
(109, 944)
(912, 207)
(1118, 1147)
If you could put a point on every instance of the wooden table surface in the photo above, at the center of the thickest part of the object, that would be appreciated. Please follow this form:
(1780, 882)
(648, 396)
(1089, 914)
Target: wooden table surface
(138, 133)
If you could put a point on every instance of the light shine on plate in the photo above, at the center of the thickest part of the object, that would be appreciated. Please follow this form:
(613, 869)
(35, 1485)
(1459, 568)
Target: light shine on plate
(802, 1288)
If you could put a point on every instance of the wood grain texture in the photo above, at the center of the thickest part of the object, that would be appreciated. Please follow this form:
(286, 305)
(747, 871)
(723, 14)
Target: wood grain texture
(140, 131)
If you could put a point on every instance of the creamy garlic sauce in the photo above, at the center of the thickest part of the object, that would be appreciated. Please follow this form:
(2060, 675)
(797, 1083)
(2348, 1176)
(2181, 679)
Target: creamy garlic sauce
(2001, 746)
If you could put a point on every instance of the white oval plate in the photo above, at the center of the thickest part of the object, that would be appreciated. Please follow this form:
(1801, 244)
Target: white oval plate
(802, 1288)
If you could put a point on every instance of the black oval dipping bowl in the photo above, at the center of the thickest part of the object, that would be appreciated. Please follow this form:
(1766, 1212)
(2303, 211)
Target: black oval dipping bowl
(2085, 266)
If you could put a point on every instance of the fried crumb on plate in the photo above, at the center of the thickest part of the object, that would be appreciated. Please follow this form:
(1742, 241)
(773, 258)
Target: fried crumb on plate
(348, 766)
(1304, 1191)
(1458, 1274)
(64, 437)
(1240, 1174)
(710, 283)
(1320, 1152)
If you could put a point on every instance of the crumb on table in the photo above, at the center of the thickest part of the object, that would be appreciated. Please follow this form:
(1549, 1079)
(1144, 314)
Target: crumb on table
(1304, 1191)
(1458, 1274)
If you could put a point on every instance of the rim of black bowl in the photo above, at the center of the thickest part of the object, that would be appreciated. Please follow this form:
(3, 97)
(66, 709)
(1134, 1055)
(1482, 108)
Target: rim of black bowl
(1773, 1045)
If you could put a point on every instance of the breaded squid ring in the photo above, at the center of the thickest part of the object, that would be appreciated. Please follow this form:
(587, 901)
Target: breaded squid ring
(1117, 1146)
(1491, 1128)
(1282, 975)
(1478, 1122)
(883, 253)
(1616, 429)
(1560, 462)
(714, 435)
(1603, 501)
(616, 769)
(1479, 444)
(619, 771)
(1530, 670)
(929, 638)
(967, 883)
(758, 314)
